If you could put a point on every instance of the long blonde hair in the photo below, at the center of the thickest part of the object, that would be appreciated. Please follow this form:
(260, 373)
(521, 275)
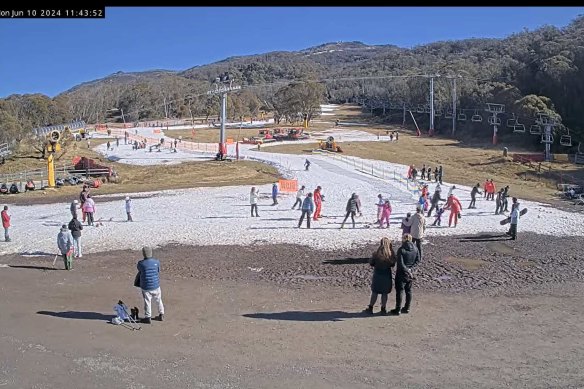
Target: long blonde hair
(384, 252)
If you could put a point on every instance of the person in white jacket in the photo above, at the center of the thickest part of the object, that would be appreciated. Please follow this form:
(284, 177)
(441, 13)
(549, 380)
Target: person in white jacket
(380, 203)
(253, 200)
(129, 208)
(299, 196)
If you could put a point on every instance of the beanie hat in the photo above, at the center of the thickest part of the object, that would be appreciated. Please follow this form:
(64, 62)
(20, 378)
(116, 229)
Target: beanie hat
(147, 252)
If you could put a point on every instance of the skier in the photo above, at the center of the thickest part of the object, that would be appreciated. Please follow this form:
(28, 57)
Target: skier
(440, 173)
(129, 209)
(423, 172)
(275, 193)
(436, 175)
(307, 209)
(351, 208)
(455, 206)
(299, 196)
(253, 200)
(318, 199)
(385, 214)
(473, 196)
(307, 164)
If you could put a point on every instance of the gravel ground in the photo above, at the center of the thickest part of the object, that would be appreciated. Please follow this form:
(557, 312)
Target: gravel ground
(486, 263)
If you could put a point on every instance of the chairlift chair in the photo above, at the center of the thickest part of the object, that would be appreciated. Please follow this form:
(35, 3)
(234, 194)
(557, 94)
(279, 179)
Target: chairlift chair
(462, 116)
(566, 140)
(547, 138)
(438, 112)
(420, 108)
(476, 117)
(448, 114)
(511, 122)
(494, 121)
(427, 109)
(535, 129)
(518, 127)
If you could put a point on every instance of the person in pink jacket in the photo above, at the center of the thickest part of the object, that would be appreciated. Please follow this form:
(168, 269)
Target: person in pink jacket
(385, 214)
(89, 209)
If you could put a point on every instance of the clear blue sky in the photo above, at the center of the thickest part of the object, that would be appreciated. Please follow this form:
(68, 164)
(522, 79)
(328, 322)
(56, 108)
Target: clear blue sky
(51, 56)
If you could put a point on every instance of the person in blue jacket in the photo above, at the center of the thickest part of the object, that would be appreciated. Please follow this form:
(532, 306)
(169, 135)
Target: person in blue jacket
(275, 193)
(149, 282)
(307, 209)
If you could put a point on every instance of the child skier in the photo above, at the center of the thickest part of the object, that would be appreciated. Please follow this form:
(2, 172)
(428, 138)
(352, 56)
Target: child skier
(438, 217)
(385, 214)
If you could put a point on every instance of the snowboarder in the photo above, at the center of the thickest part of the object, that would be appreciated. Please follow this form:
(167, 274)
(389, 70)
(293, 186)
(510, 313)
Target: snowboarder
(351, 208)
(514, 220)
(275, 193)
(75, 227)
(473, 196)
(65, 245)
(299, 196)
(6, 223)
(307, 209)
(307, 164)
(253, 200)
(318, 199)
(129, 209)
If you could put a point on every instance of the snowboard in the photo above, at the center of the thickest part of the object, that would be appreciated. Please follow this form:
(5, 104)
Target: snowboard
(508, 219)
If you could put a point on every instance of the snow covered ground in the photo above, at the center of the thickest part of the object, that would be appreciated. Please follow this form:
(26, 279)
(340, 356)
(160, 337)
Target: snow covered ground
(207, 216)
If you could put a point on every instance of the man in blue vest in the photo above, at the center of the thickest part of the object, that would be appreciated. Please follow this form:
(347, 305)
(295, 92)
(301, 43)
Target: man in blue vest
(149, 274)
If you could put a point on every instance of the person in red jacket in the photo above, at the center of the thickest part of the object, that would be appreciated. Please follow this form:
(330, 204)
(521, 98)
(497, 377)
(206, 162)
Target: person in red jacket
(487, 188)
(492, 189)
(317, 203)
(455, 206)
(6, 223)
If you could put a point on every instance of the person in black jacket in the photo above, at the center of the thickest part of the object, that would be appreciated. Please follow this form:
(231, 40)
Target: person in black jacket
(435, 200)
(75, 227)
(473, 195)
(408, 258)
(382, 260)
(352, 208)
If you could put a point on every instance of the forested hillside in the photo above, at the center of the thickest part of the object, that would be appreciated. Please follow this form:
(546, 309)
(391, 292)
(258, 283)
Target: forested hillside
(529, 72)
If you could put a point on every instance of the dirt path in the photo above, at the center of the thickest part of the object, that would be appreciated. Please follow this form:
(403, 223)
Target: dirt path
(229, 326)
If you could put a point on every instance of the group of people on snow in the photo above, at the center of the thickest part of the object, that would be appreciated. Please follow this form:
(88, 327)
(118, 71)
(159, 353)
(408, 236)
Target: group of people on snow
(425, 174)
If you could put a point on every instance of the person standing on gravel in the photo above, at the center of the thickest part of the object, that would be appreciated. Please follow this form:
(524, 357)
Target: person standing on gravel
(418, 229)
(382, 260)
(75, 227)
(307, 209)
(128, 208)
(89, 209)
(253, 200)
(65, 245)
(514, 220)
(149, 277)
(408, 258)
(6, 223)
(299, 196)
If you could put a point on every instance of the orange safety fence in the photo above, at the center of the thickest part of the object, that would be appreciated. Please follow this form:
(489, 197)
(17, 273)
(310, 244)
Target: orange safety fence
(290, 186)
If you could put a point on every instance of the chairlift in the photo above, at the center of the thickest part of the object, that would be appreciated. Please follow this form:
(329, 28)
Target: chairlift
(566, 140)
(461, 116)
(511, 122)
(476, 117)
(535, 129)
